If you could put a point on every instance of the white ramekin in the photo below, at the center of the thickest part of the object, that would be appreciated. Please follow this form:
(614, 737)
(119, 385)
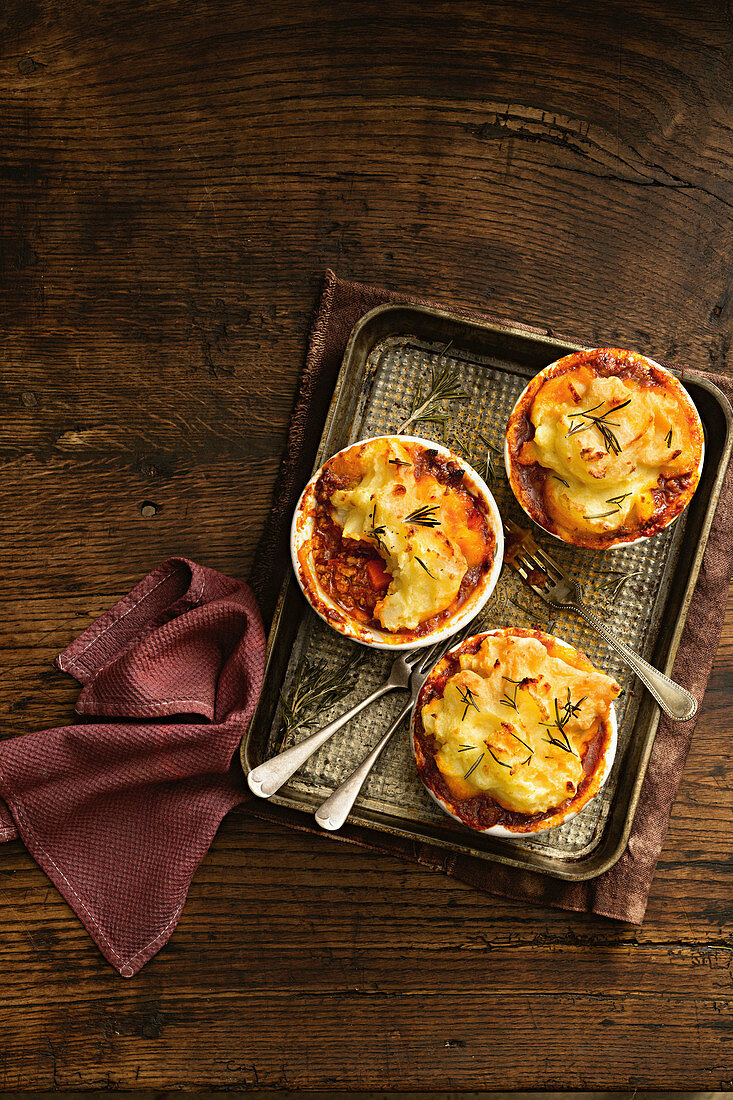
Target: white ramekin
(302, 529)
(499, 830)
(617, 545)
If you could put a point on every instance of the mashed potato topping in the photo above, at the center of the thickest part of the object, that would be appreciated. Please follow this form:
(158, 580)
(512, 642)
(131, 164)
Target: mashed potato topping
(604, 448)
(514, 721)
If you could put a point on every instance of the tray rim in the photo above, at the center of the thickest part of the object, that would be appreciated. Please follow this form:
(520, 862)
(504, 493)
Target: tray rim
(598, 861)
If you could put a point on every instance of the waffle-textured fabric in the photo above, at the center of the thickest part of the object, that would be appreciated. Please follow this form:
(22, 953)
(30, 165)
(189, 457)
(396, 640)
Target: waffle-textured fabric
(119, 814)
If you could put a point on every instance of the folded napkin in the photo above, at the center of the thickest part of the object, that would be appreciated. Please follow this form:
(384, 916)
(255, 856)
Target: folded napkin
(622, 892)
(119, 814)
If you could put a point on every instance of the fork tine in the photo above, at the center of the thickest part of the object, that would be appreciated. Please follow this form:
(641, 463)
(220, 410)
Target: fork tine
(419, 655)
(519, 566)
(529, 555)
(549, 563)
(524, 565)
(430, 657)
(441, 648)
(535, 564)
(413, 657)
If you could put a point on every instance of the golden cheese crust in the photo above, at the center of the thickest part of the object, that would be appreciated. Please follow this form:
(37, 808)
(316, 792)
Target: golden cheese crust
(604, 447)
(400, 540)
(511, 729)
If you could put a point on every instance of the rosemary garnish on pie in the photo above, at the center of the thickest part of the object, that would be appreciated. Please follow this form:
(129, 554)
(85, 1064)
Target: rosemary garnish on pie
(477, 762)
(511, 700)
(602, 515)
(521, 742)
(424, 516)
(604, 425)
(424, 566)
(377, 531)
(496, 758)
(616, 502)
(562, 717)
(468, 698)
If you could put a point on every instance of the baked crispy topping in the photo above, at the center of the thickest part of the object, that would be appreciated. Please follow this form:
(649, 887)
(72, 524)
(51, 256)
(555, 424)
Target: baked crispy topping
(516, 721)
(604, 447)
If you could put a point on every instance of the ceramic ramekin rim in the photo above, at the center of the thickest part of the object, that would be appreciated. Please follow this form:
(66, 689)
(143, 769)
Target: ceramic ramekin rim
(609, 757)
(472, 606)
(616, 545)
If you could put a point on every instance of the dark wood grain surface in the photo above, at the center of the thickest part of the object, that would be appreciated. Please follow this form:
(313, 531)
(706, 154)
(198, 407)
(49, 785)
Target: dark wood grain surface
(174, 178)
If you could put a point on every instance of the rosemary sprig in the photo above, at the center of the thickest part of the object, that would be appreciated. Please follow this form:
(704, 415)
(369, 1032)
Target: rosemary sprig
(534, 616)
(509, 700)
(584, 413)
(422, 563)
(468, 698)
(445, 386)
(668, 438)
(550, 740)
(377, 531)
(569, 710)
(317, 688)
(485, 463)
(528, 747)
(424, 517)
(496, 758)
(562, 479)
(398, 462)
(523, 607)
(476, 764)
(518, 738)
(491, 452)
(613, 585)
(466, 748)
(601, 422)
(618, 501)
(603, 515)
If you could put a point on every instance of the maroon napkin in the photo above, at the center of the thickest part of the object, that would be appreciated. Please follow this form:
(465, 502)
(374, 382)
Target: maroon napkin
(120, 813)
(622, 892)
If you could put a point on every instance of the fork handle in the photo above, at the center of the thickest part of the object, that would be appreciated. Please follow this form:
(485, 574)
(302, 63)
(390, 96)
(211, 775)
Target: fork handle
(673, 699)
(333, 812)
(266, 779)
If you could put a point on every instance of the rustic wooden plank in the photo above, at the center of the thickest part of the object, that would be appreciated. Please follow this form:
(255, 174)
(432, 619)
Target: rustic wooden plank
(417, 1041)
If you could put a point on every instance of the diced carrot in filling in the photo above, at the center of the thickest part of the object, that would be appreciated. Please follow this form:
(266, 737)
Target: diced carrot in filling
(379, 578)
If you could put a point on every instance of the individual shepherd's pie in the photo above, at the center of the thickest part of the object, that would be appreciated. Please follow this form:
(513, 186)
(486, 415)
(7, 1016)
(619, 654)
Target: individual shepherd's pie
(604, 447)
(399, 540)
(514, 729)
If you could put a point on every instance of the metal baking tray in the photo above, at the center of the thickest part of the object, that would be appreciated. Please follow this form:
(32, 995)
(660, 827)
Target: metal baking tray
(389, 351)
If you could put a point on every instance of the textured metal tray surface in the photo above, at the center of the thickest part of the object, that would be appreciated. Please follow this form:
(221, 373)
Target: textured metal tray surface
(380, 375)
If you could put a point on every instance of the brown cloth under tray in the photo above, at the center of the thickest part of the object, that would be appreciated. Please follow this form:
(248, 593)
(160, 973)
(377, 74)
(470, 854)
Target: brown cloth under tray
(622, 892)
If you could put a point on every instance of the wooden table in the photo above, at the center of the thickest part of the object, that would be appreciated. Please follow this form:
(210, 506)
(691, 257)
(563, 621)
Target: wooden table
(175, 177)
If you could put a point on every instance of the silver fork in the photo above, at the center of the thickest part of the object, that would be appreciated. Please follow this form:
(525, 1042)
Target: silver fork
(546, 578)
(332, 813)
(267, 778)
